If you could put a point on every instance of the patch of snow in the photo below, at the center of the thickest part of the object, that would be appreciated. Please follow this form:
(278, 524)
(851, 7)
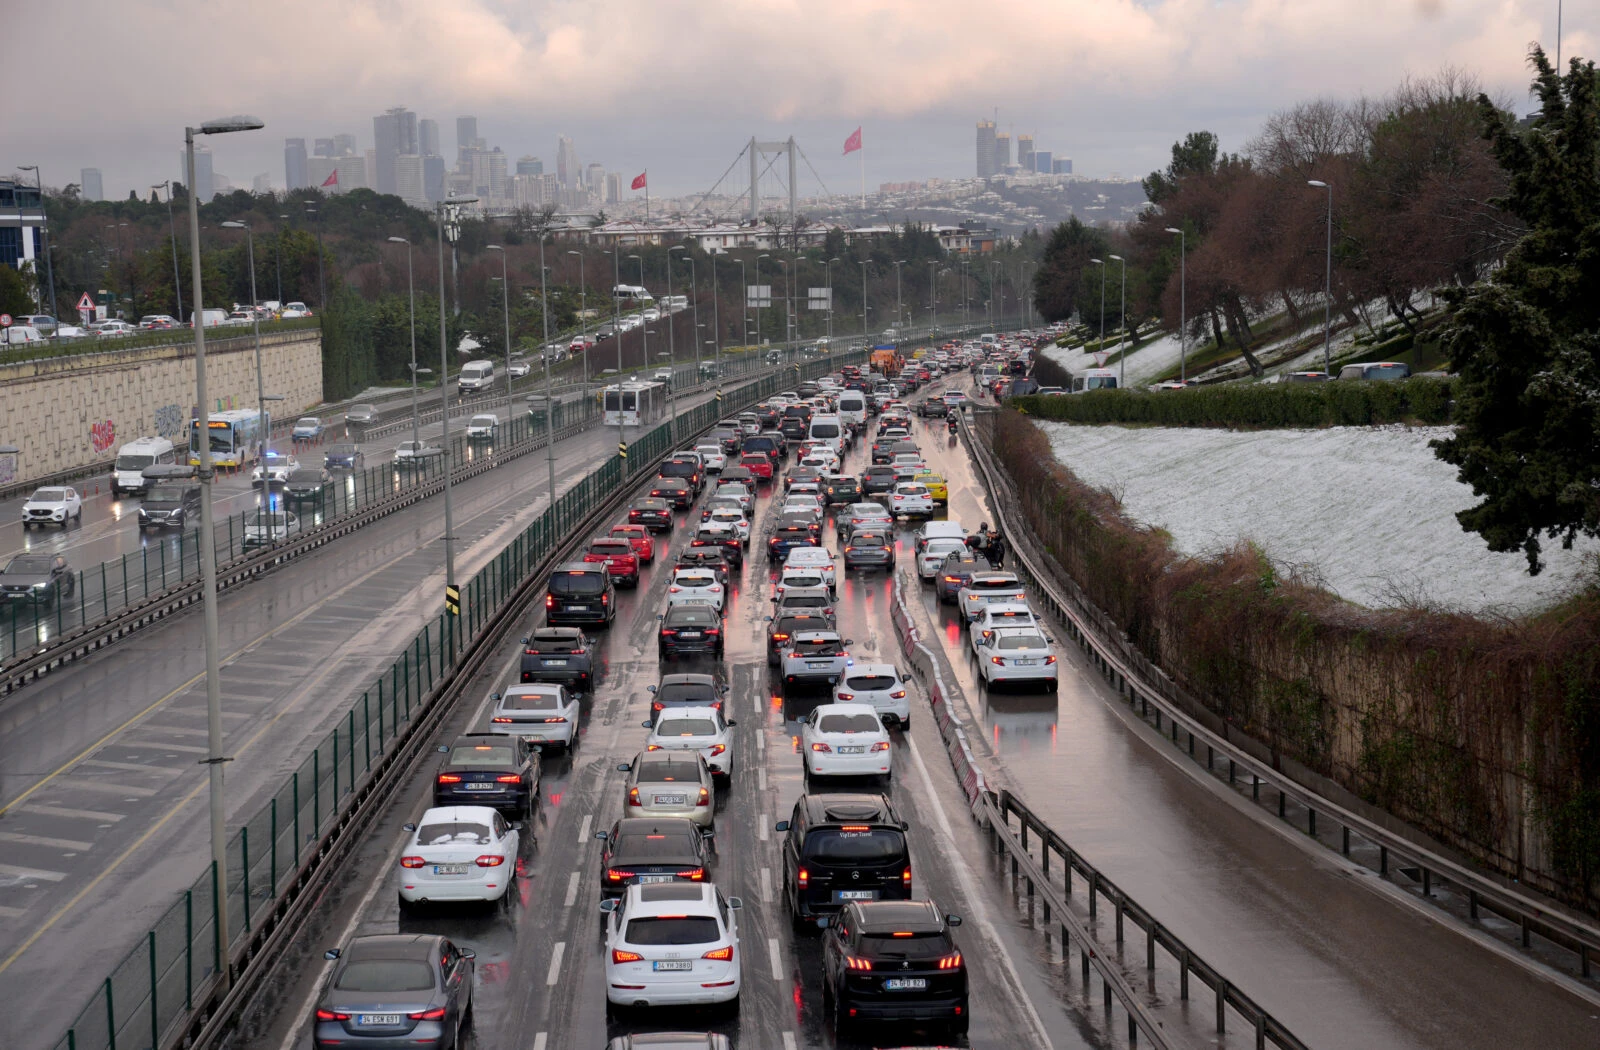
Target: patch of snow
(1368, 512)
(1145, 364)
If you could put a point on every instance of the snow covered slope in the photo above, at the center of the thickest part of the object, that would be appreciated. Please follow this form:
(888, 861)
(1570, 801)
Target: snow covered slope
(1369, 512)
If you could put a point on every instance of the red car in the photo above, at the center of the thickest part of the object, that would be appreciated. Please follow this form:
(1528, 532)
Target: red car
(618, 555)
(759, 464)
(639, 536)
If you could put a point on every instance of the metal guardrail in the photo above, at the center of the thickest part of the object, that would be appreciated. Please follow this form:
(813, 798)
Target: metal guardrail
(1150, 691)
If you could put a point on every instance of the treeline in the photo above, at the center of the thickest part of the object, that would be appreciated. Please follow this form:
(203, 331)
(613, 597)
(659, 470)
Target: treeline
(1412, 182)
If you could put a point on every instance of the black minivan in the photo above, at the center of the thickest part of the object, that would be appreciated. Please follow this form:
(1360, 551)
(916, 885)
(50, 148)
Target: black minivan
(839, 848)
(170, 502)
(580, 592)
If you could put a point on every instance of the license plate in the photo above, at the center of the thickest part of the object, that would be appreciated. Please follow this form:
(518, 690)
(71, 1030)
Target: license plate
(1025, 663)
(645, 880)
(670, 800)
(688, 634)
(555, 663)
(819, 665)
(905, 984)
(481, 787)
(451, 869)
(854, 749)
(697, 601)
(377, 1019)
(579, 608)
(665, 965)
(855, 895)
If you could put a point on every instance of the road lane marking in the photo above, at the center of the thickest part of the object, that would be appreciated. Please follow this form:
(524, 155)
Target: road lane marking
(19, 872)
(132, 767)
(788, 1041)
(555, 963)
(539, 1040)
(583, 828)
(761, 778)
(572, 888)
(157, 745)
(182, 730)
(71, 814)
(8, 912)
(761, 741)
(760, 704)
(762, 823)
(776, 958)
(766, 885)
(41, 840)
(111, 789)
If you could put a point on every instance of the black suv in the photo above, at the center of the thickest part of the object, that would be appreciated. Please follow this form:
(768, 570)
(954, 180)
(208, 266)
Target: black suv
(839, 848)
(684, 468)
(688, 630)
(678, 492)
(843, 489)
(893, 961)
(667, 849)
(169, 503)
(653, 514)
(558, 654)
(580, 592)
(488, 770)
(781, 628)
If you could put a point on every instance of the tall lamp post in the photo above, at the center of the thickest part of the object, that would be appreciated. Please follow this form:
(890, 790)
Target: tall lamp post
(1183, 303)
(827, 279)
(448, 213)
(744, 310)
(1327, 281)
(177, 281)
(583, 307)
(1101, 263)
(549, 391)
(1122, 325)
(758, 296)
(694, 297)
(864, 338)
(44, 235)
(411, 290)
(899, 302)
(505, 292)
(208, 551)
(263, 504)
(277, 257)
(933, 318)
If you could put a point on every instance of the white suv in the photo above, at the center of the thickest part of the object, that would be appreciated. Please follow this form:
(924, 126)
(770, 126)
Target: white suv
(880, 686)
(672, 944)
(815, 657)
(701, 729)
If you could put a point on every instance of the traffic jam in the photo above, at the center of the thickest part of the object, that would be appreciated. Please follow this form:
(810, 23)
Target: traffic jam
(804, 858)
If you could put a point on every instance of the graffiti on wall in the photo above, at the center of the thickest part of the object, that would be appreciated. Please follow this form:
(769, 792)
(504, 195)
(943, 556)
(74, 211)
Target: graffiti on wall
(103, 435)
(169, 421)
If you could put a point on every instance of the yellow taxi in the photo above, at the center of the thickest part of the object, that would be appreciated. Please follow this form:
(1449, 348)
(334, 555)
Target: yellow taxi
(938, 488)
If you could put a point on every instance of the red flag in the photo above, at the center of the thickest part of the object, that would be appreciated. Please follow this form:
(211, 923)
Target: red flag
(639, 183)
(853, 143)
(333, 179)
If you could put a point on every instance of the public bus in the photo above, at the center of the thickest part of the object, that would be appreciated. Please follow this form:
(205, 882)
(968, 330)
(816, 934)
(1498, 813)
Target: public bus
(635, 404)
(235, 437)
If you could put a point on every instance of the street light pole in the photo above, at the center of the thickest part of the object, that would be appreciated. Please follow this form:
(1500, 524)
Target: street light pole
(758, 296)
(716, 323)
(505, 295)
(827, 278)
(933, 317)
(411, 290)
(899, 303)
(672, 361)
(264, 503)
(449, 225)
(177, 281)
(1122, 326)
(1100, 263)
(744, 292)
(44, 237)
(208, 550)
(583, 306)
(1183, 303)
(549, 390)
(1327, 282)
(864, 338)
(322, 287)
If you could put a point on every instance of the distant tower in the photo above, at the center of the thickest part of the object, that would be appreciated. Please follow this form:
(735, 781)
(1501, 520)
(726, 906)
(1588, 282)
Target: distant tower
(90, 187)
(530, 166)
(1002, 153)
(1025, 153)
(294, 164)
(567, 169)
(986, 166)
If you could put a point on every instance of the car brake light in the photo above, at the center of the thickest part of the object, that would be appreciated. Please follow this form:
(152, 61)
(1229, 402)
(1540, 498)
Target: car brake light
(905, 878)
(950, 962)
(549, 601)
(605, 599)
(1049, 659)
(856, 963)
(552, 721)
(722, 954)
(668, 631)
(804, 877)
(674, 589)
(449, 778)
(620, 956)
(501, 720)
(509, 778)
(330, 1015)
(615, 875)
(820, 746)
(882, 745)
(705, 798)
(846, 696)
(489, 860)
(411, 862)
(633, 797)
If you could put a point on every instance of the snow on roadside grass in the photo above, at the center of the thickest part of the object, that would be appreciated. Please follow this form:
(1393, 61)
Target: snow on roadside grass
(1370, 512)
(1145, 364)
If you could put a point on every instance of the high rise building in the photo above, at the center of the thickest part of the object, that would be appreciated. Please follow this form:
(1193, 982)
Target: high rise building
(466, 133)
(614, 187)
(318, 169)
(433, 187)
(394, 133)
(90, 187)
(1041, 161)
(1061, 166)
(261, 184)
(527, 191)
(354, 173)
(986, 166)
(1002, 152)
(410, 182)
(530, 166)
(477, 166)
(1025, 152)
(323, 148)
(567, 169)
(499, 188)
(343, 146)
(428, 138)
(552, 190)
(294, 164)
(202, 172)
(594, 180)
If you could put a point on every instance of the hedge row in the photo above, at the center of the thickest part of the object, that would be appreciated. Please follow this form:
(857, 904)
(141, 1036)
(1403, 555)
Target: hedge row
(1248, 405)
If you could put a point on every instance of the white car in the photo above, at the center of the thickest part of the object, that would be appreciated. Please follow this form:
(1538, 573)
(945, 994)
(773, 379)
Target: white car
(519, 369)
(931, 556)
(112, 328)
(1017, 654)
(822, 459)
(274, 526)
(544, 713)
(805, 487)
(804, 576)
(695, 587)
(815, 657)
(712, 457)
(275, 467)
(458, 853)
(483, 427)
(701, 729)
(415, 451)
(802, 503)
(954, 399)
(55, 505)
(291, 310)
(819, 559)
(1001, 615)
(987, 584)
(880, 686)
(735, 519)
(735, 491)
(912, 499)
(845, 740)
(749, 424)
(672, 944)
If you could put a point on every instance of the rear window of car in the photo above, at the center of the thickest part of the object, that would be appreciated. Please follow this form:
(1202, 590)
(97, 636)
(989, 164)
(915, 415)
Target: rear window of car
(847, 724)
(636, 847)
(573, 584)
(610, 546)
(992, 585)
(679, 691)
(679, 468)
(692, 616)
(385, 975)
(531, 702)
(481, 755)
(687, 580)
(686, 727)
(1022, 641)
(447, 833)
(874, 844)
(869, 682)
(689, 929)
(662, 768)
(806, 601)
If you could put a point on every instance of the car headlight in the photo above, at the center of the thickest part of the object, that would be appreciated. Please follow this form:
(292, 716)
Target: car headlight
(40, 586)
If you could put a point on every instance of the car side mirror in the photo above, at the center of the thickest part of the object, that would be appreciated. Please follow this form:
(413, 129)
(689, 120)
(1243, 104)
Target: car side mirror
(952, 920)
(624, 767)
(525, 641)
(736, 903)
(495, 697)
(468, 954)
(444, 749)
(824, 921)
(647, 724)
(602, 835)
(849, 641)
(331, 954)
(905, 825)
(515, 825)
(408, 827)
(732, 722)
(782, 825)
(650, 689)
(800, 719)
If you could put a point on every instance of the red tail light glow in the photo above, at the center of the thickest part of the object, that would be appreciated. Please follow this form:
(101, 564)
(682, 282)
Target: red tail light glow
(620, 956)
(804, 878)
(950, 962)
(856, 963)
(720, 954)
(329, 1015)
(508, 778)
(489, 860)
(849, 696)
(501, 720)
(633, 797)
(704, 799)
(449, 778)
(905, 878)
(411, 862)
(820, 746)
(882, 745)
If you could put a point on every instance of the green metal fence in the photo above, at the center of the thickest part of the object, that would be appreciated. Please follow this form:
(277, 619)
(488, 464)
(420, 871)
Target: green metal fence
(142, 1001)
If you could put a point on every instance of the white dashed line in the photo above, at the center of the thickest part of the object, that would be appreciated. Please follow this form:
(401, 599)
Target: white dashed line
(761, 741)
(760, 704)
(583, 829)
(788, 1041)
(766, 885)
(762, 823)
(777, 958)
(539, 1040)
(572, 888)
(70, 814)
(555, 963)
(41, 840)
(761, 779)
(31, 873)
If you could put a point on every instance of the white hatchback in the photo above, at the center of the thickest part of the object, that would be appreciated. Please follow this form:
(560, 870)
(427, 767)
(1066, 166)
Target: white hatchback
(802, 503)
(672, 944)
(458, 853)
(734, 490)
(701, 729)
(733, 518)
(911, 499)
(880, 686)
(845, 740)
(1000, 615)
(695, 587)
(819, 559)
(544, 713)
(931, 556)
(713, 457)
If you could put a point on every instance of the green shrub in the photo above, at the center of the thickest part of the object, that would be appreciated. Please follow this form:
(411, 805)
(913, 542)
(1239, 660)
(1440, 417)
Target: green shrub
(1255, 405)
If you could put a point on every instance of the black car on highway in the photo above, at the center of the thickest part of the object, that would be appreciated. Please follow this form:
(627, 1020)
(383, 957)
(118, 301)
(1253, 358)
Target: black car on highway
(37, 579)
(410, 989)
(772, 444)
(559, 654)
(344, 456)
(669, 849)
(781, 628)
(843, 489)
(689, 630)
(580, 592)
(877, 478)
(654, 514)
(685, 690)
(307, 485)
(851, 847)
(721, 538)
(705, 557)
(488, 770)
(170, 503)
(956, 573)
(684, 468)
(894, 961)
(676, 491)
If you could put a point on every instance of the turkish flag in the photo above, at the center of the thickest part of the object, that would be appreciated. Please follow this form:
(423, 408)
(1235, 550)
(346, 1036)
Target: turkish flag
(333, 179)
(639, 182)
(853, 143)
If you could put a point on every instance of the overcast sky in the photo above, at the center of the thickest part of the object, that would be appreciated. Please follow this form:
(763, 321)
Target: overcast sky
(679, 85)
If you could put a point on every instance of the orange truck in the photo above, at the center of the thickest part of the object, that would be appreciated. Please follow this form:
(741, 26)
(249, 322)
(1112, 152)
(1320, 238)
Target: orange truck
(887, 362)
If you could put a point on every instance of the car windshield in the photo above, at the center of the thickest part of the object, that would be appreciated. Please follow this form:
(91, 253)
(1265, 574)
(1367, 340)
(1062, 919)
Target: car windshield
(164, 494)
(685, 929)
(869, 539)
(662, 768)
(481, 755)
(847, 724)
(806, 601)
(869, 682)
(875, 844)
(680, 691)
(32, 565)
(132, 462)
(531, 702)
(695, 581)
(50, 495)
(944, 547)
(385, 975)
(342, 450)
(610, 547)
(1022, 641)
(692, 616)
(302, 476)
(992, 585)
(308, 422)
(686, 727)
(446, 833)
(811, 647)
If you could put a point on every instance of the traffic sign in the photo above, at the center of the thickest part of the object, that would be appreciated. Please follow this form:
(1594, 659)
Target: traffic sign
(5, 320)
(622, 449)
(452, 599)
(85, 302)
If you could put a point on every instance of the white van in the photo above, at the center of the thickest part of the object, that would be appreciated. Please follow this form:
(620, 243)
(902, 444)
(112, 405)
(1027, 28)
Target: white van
(21, 335)
(1095, 379)
(828, 430)
(210, 318)
(132, 458)
(939, 530)
(853, 407)
(476, 377)
(989, 339)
